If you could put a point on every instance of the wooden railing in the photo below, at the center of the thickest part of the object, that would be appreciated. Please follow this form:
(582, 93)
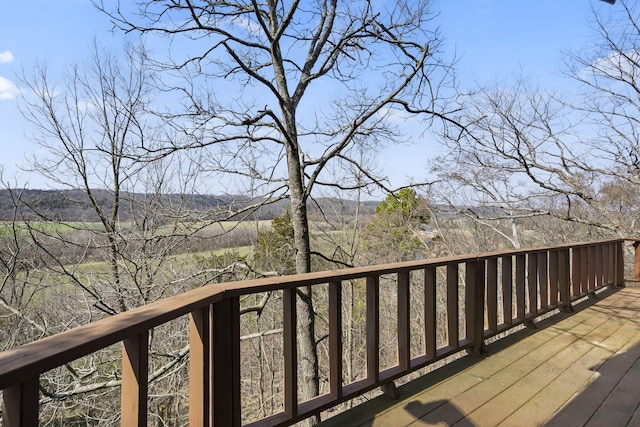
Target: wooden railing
(499, 290)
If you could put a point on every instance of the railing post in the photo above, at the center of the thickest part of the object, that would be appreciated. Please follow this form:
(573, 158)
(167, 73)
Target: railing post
(636, 261)
(607, 265)
(225, 365)
(135, 373)
(290, 352)
(20, 404)
(613, 279)
(200, 368)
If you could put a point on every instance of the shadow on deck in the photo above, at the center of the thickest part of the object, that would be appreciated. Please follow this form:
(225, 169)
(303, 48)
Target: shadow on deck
(581, 368)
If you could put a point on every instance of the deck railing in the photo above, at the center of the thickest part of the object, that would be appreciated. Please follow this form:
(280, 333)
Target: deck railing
(500, 290)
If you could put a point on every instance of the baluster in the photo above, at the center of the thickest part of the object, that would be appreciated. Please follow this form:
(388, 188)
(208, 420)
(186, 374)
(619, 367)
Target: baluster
(452, 305)
(520, 286)
(599, 262)
(591, 268)
(564, 279)
(543, 279)
(507, 290)
(373, 329)
(576, 260)
(335, 339)
(470, 307)
(492, 294)
(404, 335)
(584, 270)
(430, 312)
(607, 265)
(553, 278)
(474, 305)
(532, 284)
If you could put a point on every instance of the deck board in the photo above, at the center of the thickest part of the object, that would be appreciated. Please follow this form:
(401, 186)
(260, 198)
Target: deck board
(580, 368)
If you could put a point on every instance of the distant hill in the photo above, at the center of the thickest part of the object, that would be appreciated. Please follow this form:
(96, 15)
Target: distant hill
(73, 205)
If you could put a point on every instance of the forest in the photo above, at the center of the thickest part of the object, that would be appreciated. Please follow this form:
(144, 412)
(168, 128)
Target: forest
(277, 176)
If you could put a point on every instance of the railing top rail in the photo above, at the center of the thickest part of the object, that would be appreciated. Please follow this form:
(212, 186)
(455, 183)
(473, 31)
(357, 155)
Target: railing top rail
(48, 353)
(292, 281)
(31, 359)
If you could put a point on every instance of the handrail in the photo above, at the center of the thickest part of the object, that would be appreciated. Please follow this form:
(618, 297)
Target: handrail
(538, 279)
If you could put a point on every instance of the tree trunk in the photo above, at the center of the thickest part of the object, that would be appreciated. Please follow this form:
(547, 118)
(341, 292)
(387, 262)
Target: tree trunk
(309, 382)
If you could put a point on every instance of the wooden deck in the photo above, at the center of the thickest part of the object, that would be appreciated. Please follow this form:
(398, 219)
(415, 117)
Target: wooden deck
(575, 369)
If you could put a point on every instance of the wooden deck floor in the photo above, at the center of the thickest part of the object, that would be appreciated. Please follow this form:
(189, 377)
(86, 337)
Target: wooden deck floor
(576, 369)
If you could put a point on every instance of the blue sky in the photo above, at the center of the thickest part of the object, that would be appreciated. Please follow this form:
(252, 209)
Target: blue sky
(494, 39)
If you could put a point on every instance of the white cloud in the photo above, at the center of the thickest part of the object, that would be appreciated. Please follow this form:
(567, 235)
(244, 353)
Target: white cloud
(8, 90)
(616, 64)
(6, 57)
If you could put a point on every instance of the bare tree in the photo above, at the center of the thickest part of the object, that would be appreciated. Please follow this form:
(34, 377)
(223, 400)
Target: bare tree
(89, 130)
(527, 157)
(119, 256)
(530, 156)
(302, 84)
(564, 159)
(609, 74)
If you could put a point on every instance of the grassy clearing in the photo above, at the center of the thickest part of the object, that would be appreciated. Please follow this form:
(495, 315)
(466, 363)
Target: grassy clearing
(188, 257)
(325, 241)
(7, 228)
(53, 227)
(227, 226)
(48, 227)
